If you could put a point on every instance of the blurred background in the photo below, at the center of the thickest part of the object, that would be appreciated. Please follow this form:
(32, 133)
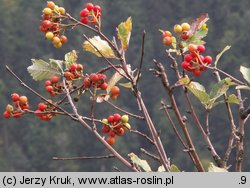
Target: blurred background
(28, 144)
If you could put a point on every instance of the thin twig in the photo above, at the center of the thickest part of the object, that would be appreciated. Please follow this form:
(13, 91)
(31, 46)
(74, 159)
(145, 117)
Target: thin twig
(124, 111)
(84, 158)
(143, 135)
(142, 56)
(150, 155)
(173, 125)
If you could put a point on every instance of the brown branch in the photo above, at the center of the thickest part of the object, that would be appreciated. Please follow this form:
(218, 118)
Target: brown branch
(84, 158)
(160, 72)
(240, 133)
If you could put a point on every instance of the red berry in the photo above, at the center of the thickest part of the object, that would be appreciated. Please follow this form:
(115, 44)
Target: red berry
(186, 65)
(207, 59)
(188, 57)
(104, 86)
(68, 75)
(197, 72)
(166, 34)
(89, 6)
(201, 48)
(192, 48)
(114, 97)
(111, 133)
(105, 129)
(73, 67)
(15, 97)
(86, 82)
(117, 117)
(79, 67)
(102, 76)
(120, 132)
(47, 24)
(111, 119)
(6, 115)
(63, 39)
(49, 89)
(42, 29)
(47, 83)
(97, 8)
(42, 106)
(84, 13)
(94, 77)
(38, 113)
(184, 35)
(54, 79)
(23, 100)
(25, 107)
(110, 140)
(85, 20)
(115, 90)
(167, 40)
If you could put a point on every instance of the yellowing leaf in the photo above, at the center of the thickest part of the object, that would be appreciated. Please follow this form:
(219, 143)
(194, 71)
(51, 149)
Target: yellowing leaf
(124, 32)
(70, 58)
(99, 47)
(246, 73)
(142, 163)
(174, 168)
(213, 168)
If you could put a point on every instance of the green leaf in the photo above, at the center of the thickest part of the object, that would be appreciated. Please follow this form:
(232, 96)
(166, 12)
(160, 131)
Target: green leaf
(142, 163)
(243, 87)
(174, 168)
(201, 95)
(246, 73)
(220, 54)
(232, 99)
(213, 168)
(124, 32)
(41, 70)
(220, 88)
(103, 47)
(70, 58)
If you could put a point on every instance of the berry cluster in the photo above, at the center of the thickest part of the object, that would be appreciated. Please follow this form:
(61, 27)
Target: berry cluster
(115, 125)
(21, 105)
(50, 25)
(52, 86)
(91, 13)
(182, 30)
(95, 81)
(74, 72)
(195, 62)
(44, 111)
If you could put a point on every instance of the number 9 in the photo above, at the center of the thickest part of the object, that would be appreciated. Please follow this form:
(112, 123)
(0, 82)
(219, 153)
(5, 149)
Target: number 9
(243, 179)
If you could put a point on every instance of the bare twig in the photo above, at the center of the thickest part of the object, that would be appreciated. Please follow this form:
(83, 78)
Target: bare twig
(150, 155)
(124, 111)
(161, 73)
(142, 56)
(143, 135)
(84, 158)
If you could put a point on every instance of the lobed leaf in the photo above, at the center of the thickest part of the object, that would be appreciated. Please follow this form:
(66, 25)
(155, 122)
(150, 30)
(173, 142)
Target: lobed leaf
(42, 70)
(232, 99)
(103, 47)
(142, 163)
(124, 32)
